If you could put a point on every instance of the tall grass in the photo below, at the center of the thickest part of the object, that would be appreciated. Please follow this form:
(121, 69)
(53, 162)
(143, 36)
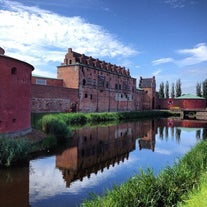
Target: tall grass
(198, 196)
(13, 150)
(39, 121)
(166, 189)
(55, 125)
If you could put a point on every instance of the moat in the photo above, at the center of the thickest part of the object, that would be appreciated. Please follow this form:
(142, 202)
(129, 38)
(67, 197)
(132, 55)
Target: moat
(98, 158)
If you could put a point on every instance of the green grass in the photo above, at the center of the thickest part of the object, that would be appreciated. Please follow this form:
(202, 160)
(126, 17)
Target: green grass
(198, 196)
(72, 119)
(14, 150)
(167, 189)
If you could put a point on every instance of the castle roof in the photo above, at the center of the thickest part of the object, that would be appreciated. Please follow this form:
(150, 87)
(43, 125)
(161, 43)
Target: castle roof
(146, 82)
(189, 96)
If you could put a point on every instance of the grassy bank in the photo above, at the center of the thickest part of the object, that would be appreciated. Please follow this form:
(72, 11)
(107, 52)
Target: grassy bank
(57, 128)
(171, 186)
(198, 196)
(39, 120)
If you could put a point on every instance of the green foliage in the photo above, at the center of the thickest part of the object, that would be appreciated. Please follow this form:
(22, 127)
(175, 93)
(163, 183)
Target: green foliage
(58, 123)
(198, 196)
(49, 142)
(102, 117)
(205, 88)
(198, 89)
(178, 89)
(167, 189)
(75, 118)
(172, 91)
(161, 90)
(55, 125)
(167, 89)
(14, 150)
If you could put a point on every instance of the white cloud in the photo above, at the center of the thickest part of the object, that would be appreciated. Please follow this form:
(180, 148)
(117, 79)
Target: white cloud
(41, 37)
(157, 72)
(162, 61)
(163, 151)
(176, 3)
(196, 55)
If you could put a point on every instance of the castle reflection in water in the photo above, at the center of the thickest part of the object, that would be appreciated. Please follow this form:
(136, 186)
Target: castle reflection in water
(101, 147)
(97, 149)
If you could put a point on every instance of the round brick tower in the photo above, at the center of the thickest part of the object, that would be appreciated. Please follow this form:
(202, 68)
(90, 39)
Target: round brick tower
(15, 96)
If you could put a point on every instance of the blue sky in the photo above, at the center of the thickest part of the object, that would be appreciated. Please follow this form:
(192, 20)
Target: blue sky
(162, 38)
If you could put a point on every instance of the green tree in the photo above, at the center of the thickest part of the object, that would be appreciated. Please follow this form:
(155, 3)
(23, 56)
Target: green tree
(161, 90)
(167, 89)
(198, 89)
(173, 91)
(178, 88)
(205, 88)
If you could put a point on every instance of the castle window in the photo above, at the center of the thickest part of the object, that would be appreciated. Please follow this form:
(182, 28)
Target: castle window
(41, 82)
(70, 61)
(86, 95)
(101, 80)
(91, 97)
(13, 70)
(82, 70)
(84, 82)
(116, 86)
(119, 86)
(107, 84)
(89, 81)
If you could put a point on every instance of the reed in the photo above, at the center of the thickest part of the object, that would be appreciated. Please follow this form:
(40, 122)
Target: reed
(14, 150)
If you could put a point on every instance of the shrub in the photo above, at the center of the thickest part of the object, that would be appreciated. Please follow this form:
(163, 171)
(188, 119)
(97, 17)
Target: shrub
(54, 126)
(14, 150)
(49, 142)
(76, 118)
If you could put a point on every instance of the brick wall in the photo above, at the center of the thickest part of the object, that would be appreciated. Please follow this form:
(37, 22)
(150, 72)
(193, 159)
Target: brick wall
(15, 95)
(182, 103)
(70, 76)
(53, 99)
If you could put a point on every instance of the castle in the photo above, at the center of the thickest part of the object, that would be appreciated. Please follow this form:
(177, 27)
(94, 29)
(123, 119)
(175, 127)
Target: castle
(83, 84)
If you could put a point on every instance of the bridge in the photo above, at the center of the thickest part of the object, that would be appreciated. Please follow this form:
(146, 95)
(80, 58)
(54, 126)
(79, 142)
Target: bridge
(200, 114)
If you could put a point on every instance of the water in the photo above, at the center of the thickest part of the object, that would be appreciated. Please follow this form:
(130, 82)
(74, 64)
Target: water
(97, 159)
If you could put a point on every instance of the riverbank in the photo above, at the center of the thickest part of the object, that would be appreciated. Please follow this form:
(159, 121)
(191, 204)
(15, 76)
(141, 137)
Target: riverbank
(171, 186)
(39, 120)
(51, 130)
(197, 197)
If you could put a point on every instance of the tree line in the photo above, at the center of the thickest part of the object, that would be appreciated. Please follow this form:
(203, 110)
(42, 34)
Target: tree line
(165, 92)
(176, 90)
(201, 89)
